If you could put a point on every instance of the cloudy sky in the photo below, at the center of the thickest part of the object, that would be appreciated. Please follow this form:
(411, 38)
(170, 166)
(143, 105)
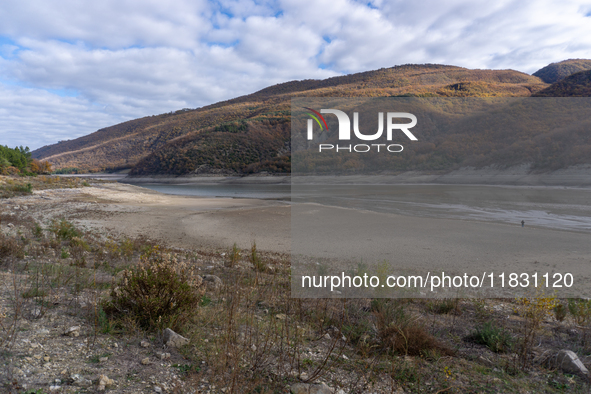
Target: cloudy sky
(70, 67)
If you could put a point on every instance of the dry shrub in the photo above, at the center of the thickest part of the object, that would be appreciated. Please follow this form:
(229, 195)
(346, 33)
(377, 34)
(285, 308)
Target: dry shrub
(534, 310)
(10, 248)
(402, 333)
(253, 337)
(159, 292)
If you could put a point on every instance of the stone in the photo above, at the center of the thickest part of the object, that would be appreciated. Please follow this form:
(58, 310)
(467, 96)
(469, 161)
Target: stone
(146, 361)
(281, 316)
(569, 362)
(145, 344)
(213, 281)
(104, 382)
(173, 339)
(163, 356)
(36, 313)
(80, 381)
(73, 331)
(103, 359)
(306, 388)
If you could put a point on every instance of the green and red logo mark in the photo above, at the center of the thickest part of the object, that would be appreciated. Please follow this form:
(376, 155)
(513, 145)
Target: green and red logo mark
(315, 116)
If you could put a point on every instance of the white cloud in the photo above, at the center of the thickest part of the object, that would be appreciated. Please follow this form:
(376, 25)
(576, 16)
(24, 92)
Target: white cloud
(129, 58)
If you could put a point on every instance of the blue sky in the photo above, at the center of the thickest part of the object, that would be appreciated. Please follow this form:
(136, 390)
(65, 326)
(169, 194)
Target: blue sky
(70, 67)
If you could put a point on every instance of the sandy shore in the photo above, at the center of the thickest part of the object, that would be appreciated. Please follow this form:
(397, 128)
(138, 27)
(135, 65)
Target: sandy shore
(184, 222)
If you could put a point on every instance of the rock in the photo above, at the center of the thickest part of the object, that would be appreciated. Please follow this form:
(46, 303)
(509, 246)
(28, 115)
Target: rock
(80, 380)
(213, 281)
(146, 361)
(157, 389)
(104, 382)
(73, 331)
(306, 388)
(36, 313)
(163, 356)
(569, 362)
(281, 316)
(103, 359)
(145, 344)
(10, 225)
(18, 372)
(173, 339)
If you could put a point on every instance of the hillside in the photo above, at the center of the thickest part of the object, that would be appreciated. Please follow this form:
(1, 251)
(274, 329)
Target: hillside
(576, 85)
(558, 71)
(251, 133)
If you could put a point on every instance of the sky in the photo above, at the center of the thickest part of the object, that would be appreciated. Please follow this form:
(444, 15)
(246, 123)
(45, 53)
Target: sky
(71, 67)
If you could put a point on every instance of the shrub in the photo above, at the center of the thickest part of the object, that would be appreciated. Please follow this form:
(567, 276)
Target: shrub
(580, 310)
(256, 261)
(63, 230)
(534, 310)
(7, 191)
(560, 312)
(10, 248)
(234, 256)
(159, 292)
(444, 306)
(37, 230)
(402, 333)
(496, 339)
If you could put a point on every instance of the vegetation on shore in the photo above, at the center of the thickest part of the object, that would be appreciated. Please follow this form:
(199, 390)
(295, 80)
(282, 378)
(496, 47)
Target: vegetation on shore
(12, 186)
(19, 161)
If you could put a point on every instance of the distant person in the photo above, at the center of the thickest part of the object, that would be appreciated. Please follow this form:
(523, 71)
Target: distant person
(522, 223)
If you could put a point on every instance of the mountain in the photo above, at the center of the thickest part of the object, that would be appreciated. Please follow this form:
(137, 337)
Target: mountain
(557, 71)
(252, 133)
(576, 85)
